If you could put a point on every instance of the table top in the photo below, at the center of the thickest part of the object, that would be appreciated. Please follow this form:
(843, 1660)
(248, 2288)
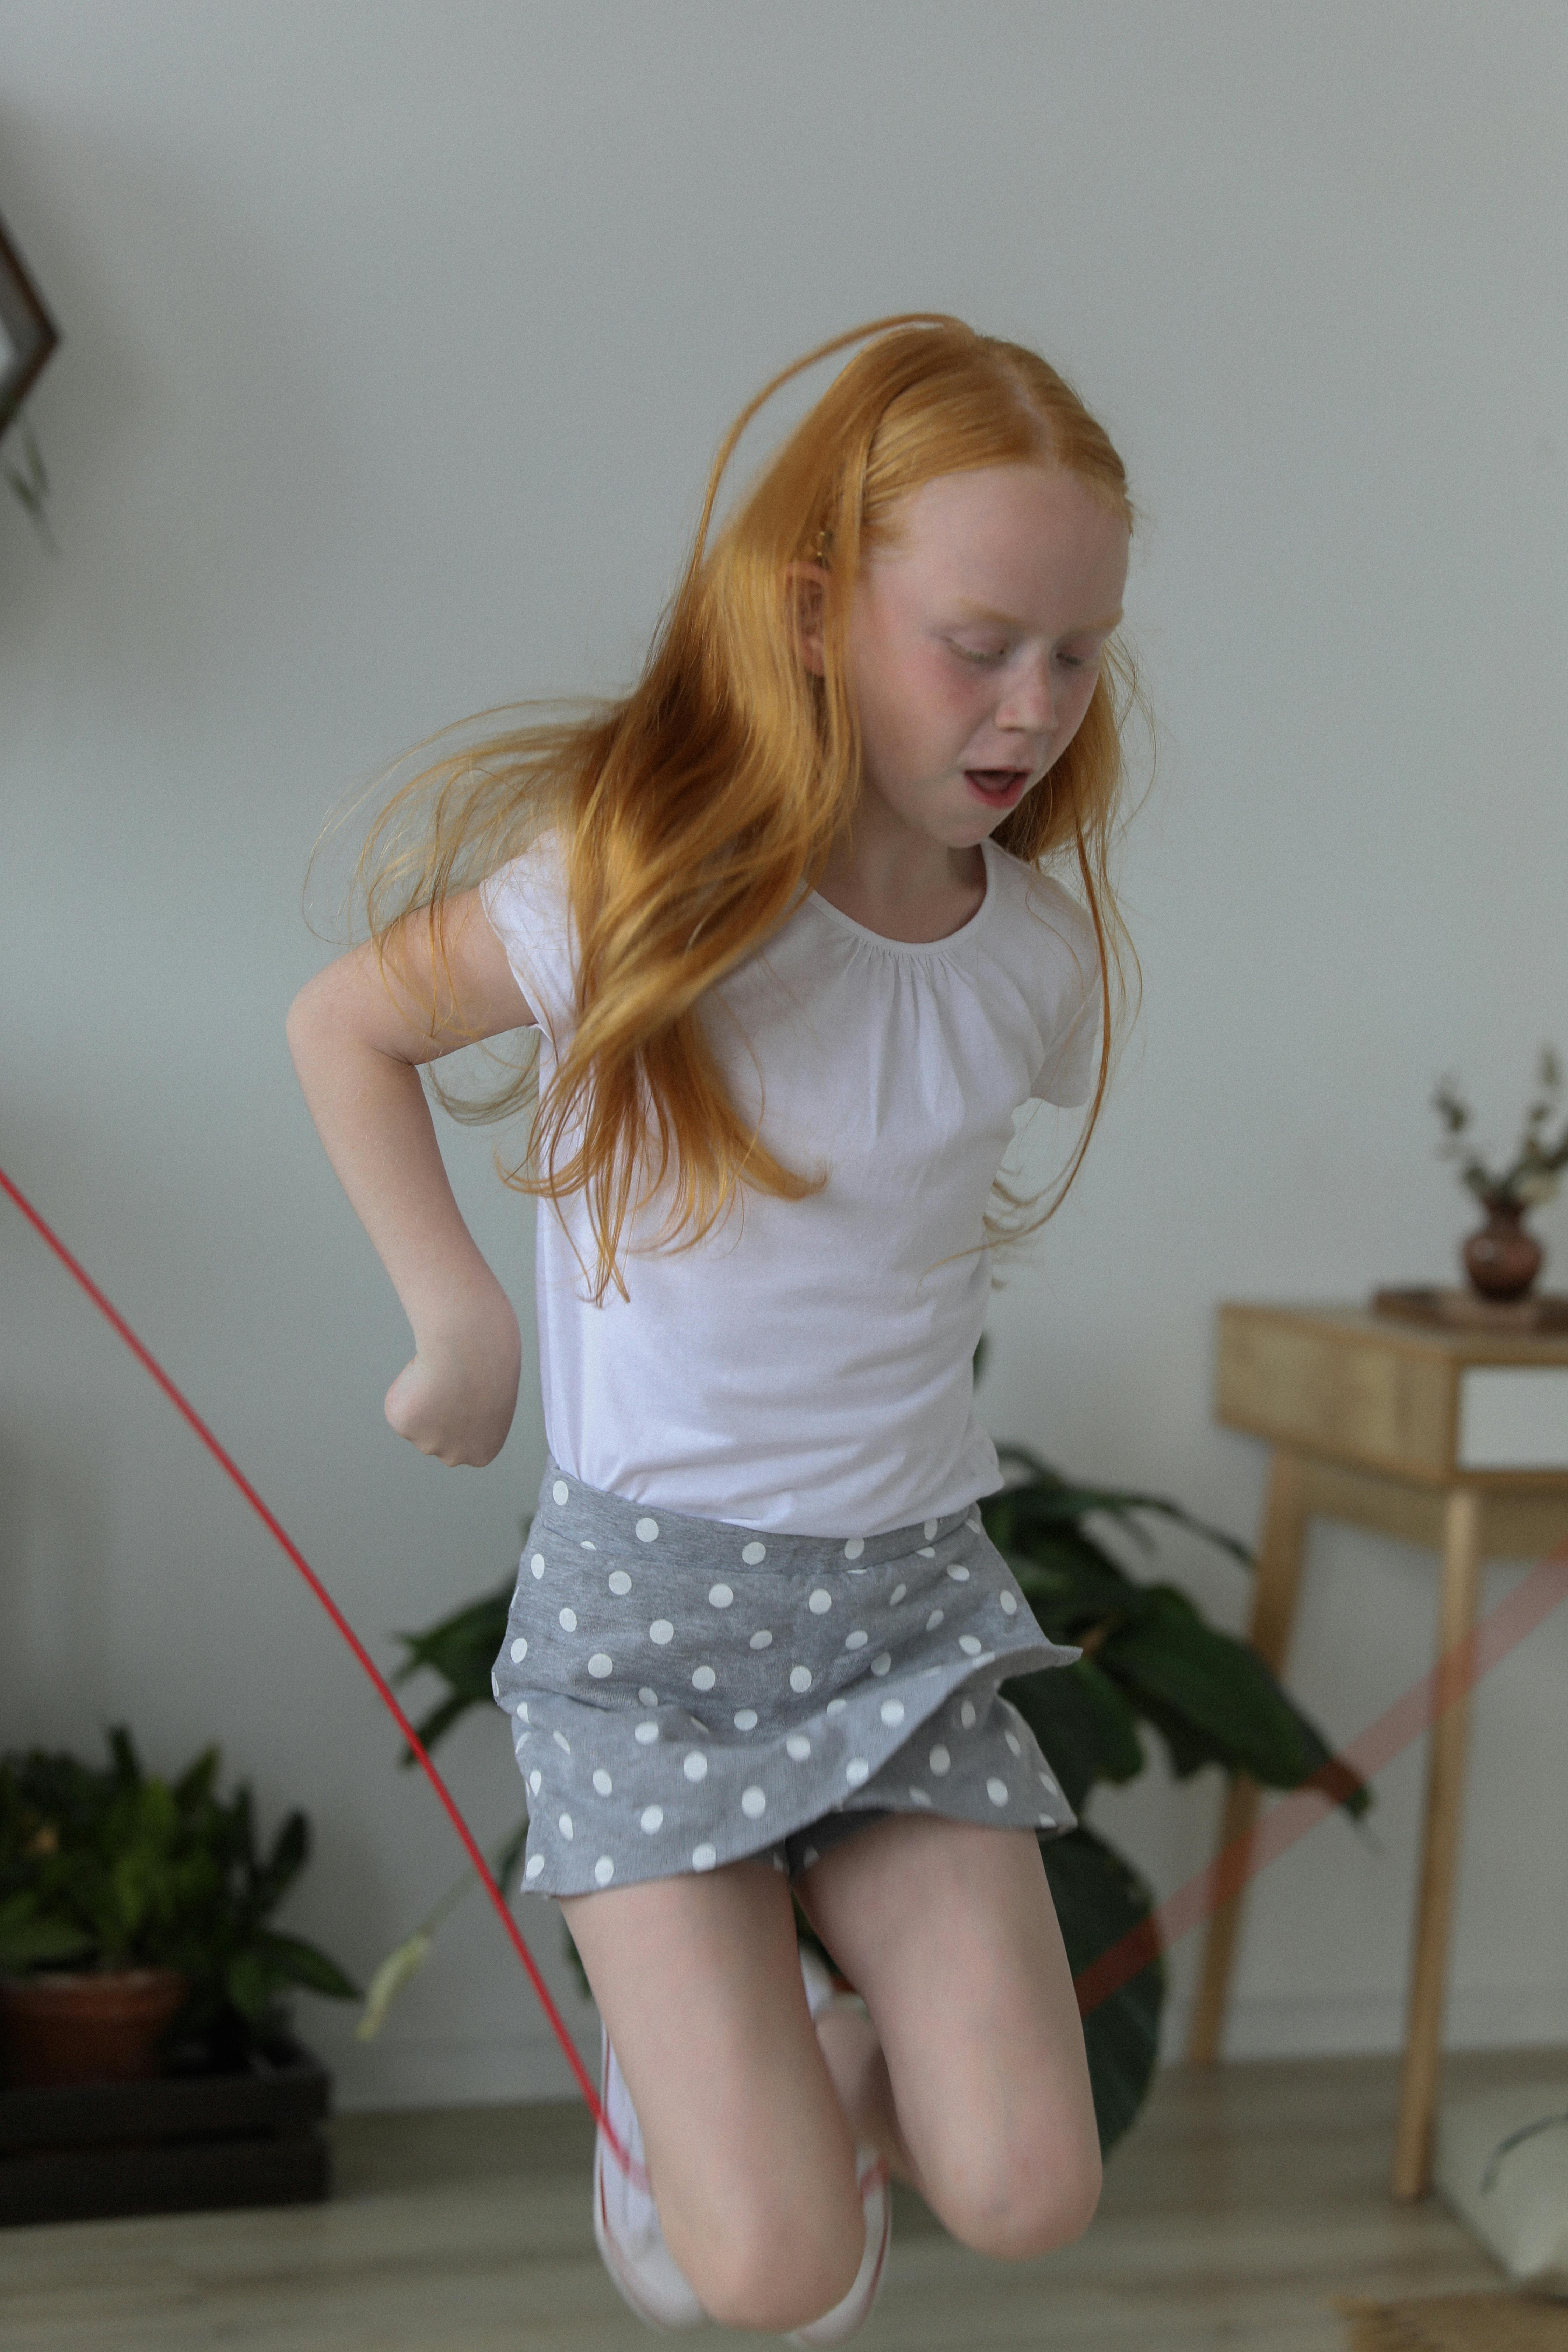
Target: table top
(1414, 1399)
(1355, 1325)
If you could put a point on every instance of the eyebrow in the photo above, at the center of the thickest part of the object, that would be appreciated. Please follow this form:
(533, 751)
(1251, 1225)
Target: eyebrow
(1006, 621)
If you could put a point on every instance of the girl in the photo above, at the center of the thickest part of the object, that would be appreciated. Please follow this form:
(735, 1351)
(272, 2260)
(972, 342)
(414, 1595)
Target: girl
(779, 920)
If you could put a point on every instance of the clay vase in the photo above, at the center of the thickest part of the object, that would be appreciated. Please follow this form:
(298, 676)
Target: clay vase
(101, 2025)
(1502, 1259)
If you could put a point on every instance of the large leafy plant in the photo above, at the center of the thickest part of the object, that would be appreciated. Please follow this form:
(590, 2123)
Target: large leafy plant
(108, 1867)
(1151, 1663)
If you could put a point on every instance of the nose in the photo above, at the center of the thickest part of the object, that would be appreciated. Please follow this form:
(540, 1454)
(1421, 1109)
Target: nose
(1028, 704)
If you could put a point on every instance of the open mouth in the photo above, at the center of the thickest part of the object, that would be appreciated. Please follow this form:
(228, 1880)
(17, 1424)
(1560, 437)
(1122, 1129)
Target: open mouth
(998, 787)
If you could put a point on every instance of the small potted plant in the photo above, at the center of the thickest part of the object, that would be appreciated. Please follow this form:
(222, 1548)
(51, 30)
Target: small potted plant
(1501, 1257)
(133, 1914)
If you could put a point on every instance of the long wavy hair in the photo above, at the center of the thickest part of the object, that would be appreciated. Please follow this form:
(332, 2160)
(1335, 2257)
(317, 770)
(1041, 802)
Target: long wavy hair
(697, 809)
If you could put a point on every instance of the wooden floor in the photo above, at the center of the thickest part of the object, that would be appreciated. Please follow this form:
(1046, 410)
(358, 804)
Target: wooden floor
(1243, 2202)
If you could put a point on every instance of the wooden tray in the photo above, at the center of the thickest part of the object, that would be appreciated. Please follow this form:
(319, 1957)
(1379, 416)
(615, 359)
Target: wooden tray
(1463, 1310)
(176, 2144)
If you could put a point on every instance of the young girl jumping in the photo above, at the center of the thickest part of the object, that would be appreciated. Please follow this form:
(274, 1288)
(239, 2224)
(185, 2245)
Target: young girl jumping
(780, 921)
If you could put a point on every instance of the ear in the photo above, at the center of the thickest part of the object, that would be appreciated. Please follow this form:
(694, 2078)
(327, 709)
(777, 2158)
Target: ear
(808, 587)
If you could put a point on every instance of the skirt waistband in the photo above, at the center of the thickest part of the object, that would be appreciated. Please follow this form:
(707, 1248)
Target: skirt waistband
(715, 1543)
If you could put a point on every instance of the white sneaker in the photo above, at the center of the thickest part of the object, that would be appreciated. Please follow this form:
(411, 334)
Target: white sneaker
(823, 1994)
(877, 2203)
(625, 2218)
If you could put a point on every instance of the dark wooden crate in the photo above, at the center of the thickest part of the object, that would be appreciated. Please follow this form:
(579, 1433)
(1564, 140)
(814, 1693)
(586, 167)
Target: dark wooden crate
(178, 2143)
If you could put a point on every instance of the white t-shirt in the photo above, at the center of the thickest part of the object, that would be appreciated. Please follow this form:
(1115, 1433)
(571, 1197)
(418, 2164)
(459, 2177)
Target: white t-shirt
(807, 1369)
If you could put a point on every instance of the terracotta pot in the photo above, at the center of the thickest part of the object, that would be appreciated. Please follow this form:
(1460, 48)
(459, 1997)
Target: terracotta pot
(1502, 1259)
(102, 2025)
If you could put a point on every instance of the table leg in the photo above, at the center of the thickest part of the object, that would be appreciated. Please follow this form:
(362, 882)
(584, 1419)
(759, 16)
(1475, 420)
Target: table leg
(1440, 1846)
(1278, 1577)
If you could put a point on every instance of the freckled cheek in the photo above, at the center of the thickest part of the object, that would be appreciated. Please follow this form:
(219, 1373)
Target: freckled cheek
(1071, 708)
(906, 703)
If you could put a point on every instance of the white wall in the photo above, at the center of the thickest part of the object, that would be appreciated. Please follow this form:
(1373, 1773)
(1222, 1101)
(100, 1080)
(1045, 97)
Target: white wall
(399, 337)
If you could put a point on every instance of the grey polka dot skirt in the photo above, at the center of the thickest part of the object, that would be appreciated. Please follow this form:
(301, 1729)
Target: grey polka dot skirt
(684, 1693)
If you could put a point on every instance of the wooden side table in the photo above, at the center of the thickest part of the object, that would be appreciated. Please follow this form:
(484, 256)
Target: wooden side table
(1456, 1440)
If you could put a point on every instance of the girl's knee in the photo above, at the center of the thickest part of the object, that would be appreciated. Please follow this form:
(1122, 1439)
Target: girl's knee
(1036, 2197)
(773, 2262)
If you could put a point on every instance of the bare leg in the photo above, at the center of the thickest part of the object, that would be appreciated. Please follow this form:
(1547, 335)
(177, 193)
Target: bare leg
(981, 2095)
(751, 2160)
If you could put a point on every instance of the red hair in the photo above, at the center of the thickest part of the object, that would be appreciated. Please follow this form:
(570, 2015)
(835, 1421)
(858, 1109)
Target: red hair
(696, 809)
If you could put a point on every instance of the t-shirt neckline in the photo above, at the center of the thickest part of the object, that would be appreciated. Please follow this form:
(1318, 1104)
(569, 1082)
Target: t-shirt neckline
(917, 946)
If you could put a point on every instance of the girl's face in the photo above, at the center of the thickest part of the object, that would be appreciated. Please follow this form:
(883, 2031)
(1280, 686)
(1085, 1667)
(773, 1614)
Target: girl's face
(974, 643)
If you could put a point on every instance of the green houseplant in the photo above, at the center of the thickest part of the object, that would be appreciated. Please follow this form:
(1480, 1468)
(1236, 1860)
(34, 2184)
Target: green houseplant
(122, 1889)
(1151, 1663)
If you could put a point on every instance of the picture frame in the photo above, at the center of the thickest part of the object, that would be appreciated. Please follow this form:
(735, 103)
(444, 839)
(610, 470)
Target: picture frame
(27, 333)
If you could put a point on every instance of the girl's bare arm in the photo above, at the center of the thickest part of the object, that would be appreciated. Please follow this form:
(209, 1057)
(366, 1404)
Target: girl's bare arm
(358, 1035)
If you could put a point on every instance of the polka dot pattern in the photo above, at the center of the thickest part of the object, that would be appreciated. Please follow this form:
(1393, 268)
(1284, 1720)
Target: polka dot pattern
(803, 1679)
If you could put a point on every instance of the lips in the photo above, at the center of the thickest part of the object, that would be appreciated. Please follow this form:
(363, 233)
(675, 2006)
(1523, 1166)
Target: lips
(998, 787)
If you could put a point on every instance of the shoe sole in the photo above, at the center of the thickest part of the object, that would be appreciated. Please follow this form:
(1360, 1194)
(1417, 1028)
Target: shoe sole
(856, 2309)
(669, 2316)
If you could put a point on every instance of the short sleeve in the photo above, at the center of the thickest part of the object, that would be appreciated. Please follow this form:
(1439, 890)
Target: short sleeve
(528, 909)
(1070, 1028)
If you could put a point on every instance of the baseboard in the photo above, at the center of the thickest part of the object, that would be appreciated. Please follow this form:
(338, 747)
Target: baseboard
(511, 2070)
(517, 2068)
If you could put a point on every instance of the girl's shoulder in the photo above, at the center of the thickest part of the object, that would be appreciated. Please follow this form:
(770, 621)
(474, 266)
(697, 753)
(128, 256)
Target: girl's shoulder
(1028, 900)
(1042, 940)
(528, 907)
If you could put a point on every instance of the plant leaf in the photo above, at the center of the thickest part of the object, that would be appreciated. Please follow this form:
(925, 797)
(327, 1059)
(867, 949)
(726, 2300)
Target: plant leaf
(1099, 1898)
(399, 1970)
(1046, 1498)
(1212, 1698)
(291, 1852)
(302, 1963)
(1083, 1722)
(461, 1648)
(31, 1938)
